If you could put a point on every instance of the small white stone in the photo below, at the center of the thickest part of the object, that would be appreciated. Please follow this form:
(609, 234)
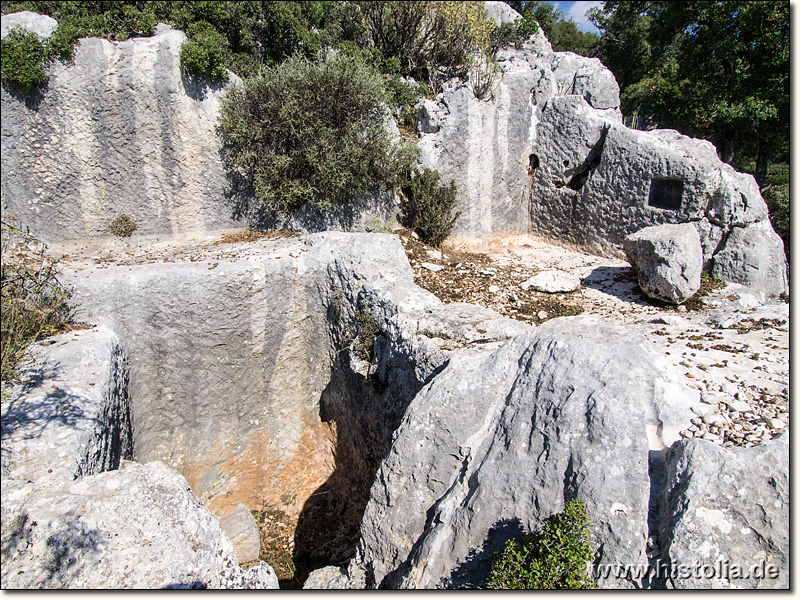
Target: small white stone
(775, 423)
(432, 267)
(740, 406)
(542, 315)
(713, 419)
(493, 289)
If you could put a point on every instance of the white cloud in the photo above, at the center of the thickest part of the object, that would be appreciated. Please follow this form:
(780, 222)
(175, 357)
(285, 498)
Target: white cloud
(577, 12)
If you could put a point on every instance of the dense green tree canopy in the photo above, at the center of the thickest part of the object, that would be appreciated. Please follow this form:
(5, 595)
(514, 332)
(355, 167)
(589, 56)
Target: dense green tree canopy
(716, 70)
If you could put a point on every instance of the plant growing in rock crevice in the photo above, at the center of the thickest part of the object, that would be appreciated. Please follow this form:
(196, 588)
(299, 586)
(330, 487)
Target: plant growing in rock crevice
(122, 225)
(367, 332)
(556, 557)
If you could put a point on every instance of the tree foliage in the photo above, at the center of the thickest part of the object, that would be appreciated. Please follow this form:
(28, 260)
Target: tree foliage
(716, 70)
(426, 33)
(561, 31)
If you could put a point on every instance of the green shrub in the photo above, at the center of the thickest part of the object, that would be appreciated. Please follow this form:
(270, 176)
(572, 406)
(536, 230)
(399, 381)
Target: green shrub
(427, 207)
(33, 304)
(204, 54)
(777, 199)
(23, 60)
(122, 225)
(557, 557)
(312, 131)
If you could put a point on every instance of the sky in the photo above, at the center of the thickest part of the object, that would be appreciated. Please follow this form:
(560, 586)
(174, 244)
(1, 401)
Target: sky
(577, 12)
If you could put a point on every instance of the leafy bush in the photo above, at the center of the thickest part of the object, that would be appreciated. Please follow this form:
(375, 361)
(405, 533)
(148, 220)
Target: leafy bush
(427, 207)
(312, 131)
(204, 52)
(557, 557)
(122, 225)
(33, 304)
(23, 60)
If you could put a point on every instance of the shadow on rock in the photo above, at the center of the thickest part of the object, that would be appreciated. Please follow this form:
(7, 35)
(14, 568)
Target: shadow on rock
(475, 571)
(617, 281)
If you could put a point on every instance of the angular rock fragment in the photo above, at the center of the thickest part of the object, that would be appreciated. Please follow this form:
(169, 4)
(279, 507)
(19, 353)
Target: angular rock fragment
(668, 260)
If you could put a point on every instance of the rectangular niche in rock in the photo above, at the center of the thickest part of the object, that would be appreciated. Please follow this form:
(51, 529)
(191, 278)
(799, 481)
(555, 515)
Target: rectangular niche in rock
(665, 193)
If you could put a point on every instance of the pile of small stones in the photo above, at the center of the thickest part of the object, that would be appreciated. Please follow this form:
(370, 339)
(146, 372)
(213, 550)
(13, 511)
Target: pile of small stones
(738, 420)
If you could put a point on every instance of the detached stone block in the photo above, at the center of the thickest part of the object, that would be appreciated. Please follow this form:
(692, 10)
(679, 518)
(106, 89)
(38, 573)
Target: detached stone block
(242, 529)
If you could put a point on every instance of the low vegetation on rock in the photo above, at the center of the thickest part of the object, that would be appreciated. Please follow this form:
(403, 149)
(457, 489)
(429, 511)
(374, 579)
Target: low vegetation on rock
(33, 304)
(555, 558)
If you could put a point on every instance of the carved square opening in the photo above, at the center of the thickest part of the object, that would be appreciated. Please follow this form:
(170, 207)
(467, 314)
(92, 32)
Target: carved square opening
(665, 193)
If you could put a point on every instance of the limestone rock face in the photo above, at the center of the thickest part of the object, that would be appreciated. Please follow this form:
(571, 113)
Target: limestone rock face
(548, 153)
(41, 25)
(118, 130)
(501, 13)
(668, 260)
(727, 507)
(499, 440)
(87, 396)
(75, 513)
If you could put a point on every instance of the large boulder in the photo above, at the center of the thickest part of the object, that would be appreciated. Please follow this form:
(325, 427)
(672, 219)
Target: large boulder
(498, 441)
(753, 256)
(726, 510)
(668, 260)
(119, 129)
(41, 25)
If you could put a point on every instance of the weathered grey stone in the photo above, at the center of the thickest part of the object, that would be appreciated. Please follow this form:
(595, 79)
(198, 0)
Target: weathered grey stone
(137, 527)
(69, 518)
(552, 282)
(430, 115)
(497, 441)
(586, 77)
(668, 260)
(242, 529)
(726, 507)
(117, 130)
(501, 13)
(753, 256)
(41, 25)
(327, 578)
(80, 422)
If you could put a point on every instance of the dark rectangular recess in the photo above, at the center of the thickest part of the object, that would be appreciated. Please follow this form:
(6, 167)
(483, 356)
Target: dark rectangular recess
(665, 193)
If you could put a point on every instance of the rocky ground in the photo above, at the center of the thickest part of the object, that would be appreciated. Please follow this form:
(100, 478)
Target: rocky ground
(732, 349)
